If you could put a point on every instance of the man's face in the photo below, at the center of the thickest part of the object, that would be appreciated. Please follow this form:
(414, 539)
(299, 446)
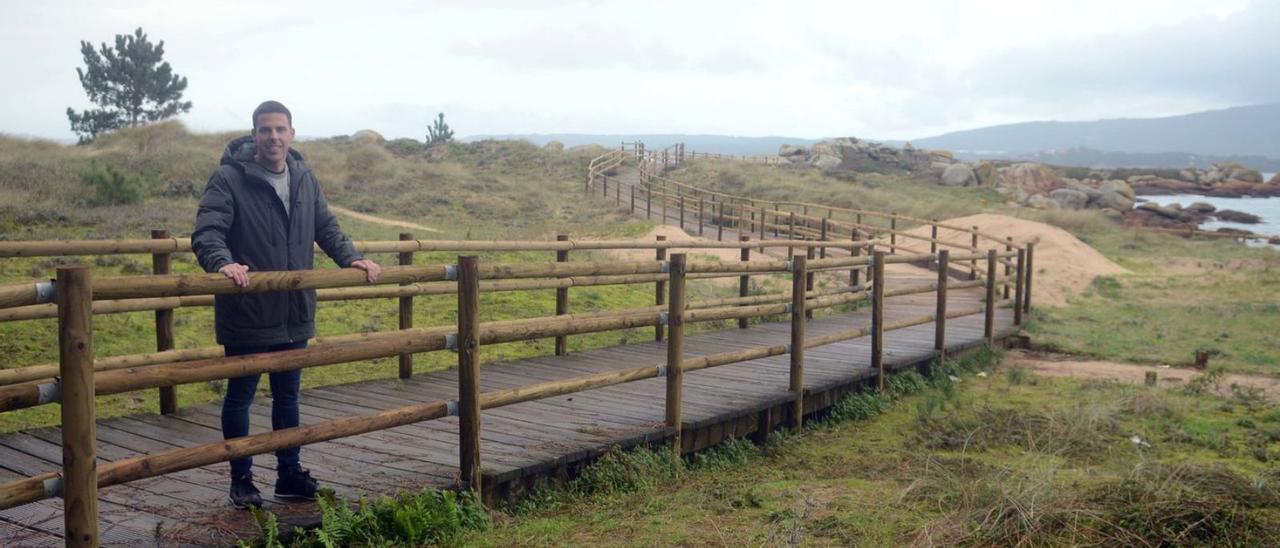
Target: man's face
(273, 135)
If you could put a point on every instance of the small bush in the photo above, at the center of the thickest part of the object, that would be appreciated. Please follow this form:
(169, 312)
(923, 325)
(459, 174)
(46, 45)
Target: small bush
(411, 519)
(112, 186)
(621, 471)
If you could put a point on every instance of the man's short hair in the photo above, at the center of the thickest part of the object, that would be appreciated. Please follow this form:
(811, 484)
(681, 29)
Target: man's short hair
(269, 107)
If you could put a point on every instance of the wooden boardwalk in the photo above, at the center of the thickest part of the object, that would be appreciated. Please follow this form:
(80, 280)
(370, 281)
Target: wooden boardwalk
(539, 439)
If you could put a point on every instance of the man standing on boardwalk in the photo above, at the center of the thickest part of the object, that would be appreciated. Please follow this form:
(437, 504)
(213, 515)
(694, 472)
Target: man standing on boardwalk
(261, 211)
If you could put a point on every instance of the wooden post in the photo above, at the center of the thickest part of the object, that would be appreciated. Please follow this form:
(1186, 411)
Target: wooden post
(1149, 378)
(406, 311)
(764, 220)
(633, 198)
(701, 224)
(604, 186)
(675, 348)
(777, 216)
(74, 296)
(682, 212)
(989, 313)
(720, 221)
(822, 236)
(940, 314)
(808, 279)
(648, 202)
(893, 234)
(933, 235)
(469, 372)
(973, 248)
(1008, 268)
(160, 264)
(744, 281)
(856, 251)
(659, 289)
(1019, 282)
(877, 317)
(1030, 266)
(617, 194)
(798, 276)
(664, 202)
(562, 297)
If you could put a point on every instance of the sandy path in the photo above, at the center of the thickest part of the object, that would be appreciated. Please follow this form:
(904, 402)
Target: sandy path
(378, 220)
(1063, 365)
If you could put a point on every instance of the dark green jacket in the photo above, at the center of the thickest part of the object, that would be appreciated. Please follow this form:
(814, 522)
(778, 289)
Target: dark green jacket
(242, 220)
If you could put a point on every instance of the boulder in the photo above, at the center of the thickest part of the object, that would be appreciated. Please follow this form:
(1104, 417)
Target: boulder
(1142, 216)
(1157, 209)
(1040, 201)
(988, 175)
(1241, 173)
(1113, 214)
(1069, 198)
(825, 161)
(368, 136)
(1236, 189)
(1031, 177)
(1275, 179)
(1119, 187)
(789, 150)
(1201, 208)
(959, 175)
(1233, 216)
(1093, 193)
(1113, 200)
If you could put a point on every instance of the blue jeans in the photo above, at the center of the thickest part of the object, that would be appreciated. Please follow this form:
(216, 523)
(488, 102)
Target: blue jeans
(285, 389)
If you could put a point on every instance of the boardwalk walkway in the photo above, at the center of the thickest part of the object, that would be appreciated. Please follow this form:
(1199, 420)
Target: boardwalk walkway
(520, 443)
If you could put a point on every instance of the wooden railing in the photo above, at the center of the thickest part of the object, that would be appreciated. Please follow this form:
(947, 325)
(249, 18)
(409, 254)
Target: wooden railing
(79, 378)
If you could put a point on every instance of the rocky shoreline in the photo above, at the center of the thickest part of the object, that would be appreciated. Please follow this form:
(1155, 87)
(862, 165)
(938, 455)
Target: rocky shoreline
(1114, 192)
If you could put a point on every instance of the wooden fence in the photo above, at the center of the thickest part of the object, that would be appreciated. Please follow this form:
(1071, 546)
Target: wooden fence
(76, 295)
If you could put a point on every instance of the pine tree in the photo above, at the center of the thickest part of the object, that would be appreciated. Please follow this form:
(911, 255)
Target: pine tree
(131, 82)
(439, 131)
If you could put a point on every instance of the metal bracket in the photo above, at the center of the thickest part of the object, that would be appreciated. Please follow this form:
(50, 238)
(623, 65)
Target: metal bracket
(451, 408)
(788, 348)
(666, 267)
(791, 266)
(664, 318)
(45, 292)
(790, 307)
(871, 260)
(451, 272)
(451, 342)
(53, 487)
(49, 392)
(662, 370)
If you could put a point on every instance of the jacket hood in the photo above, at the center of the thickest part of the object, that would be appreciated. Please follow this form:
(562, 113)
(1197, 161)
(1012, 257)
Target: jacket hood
(239, 154)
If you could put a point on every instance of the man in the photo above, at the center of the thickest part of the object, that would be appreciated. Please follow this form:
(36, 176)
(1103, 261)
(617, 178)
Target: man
(261, 211)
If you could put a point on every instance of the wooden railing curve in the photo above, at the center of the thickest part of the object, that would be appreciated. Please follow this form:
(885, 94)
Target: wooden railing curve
(76, 296)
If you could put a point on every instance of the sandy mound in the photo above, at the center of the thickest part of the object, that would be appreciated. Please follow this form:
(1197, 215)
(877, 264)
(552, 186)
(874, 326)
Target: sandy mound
(1064, 265)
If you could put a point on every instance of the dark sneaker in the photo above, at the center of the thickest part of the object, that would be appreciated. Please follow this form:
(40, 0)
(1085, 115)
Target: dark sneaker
(296, 484)
(243, 492)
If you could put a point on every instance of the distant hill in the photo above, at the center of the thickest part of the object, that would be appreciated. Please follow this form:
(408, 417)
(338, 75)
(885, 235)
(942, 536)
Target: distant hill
(1238, 131)
(722, 144)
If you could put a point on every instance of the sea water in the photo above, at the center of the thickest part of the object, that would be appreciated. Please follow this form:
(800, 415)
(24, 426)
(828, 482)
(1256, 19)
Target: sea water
(1266, 208)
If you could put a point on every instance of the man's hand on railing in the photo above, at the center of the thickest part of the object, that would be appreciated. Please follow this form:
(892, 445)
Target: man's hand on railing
(237, 272)
(370, 268)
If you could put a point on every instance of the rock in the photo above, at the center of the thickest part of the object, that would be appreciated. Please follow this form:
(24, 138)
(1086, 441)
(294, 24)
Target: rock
(959, 175)
(1031, 177)
(989, 175)
(1113, 214)
(825, 149)
(1275, 179)
(1236, 172)
(1159, 210)
(1069, 198)
(1236, 189)
(1119, 187)
(825, 161)
(788, 150)
(368, 136)
(1113, 200)
(1141, 216)
(1189, 175)
(1233, 216)
(1156, 185)
(1201, 208)
(1040, 201)
(1175, 206)
(1092, 193)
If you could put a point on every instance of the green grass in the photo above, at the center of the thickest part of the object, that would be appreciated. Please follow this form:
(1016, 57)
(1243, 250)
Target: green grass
(1002, 459)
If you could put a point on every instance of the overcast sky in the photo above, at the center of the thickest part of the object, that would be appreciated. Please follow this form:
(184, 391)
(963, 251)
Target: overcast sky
(870, 69)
